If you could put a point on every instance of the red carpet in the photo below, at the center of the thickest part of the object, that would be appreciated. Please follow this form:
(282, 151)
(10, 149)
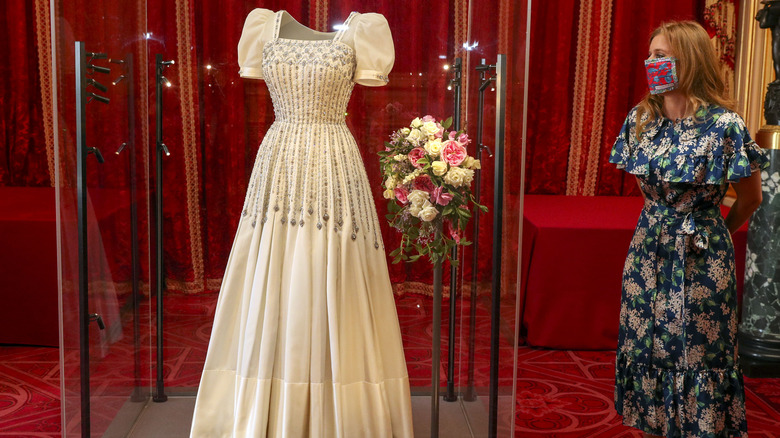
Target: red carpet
(559, 393)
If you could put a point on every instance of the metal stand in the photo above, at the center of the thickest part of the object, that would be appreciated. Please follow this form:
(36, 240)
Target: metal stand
(484, 82)
(450, 396)
(498, 213)
(436, 347)
(127, 70)
(159, 395)
(83, 66)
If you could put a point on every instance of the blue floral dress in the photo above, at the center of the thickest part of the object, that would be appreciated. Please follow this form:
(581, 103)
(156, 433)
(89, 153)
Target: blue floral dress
(677, 373)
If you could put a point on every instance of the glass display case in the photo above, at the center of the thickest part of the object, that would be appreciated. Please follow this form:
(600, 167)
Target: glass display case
(213, 121)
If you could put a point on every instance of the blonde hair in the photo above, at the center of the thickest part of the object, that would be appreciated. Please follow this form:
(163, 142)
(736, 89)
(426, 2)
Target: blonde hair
(698, 72)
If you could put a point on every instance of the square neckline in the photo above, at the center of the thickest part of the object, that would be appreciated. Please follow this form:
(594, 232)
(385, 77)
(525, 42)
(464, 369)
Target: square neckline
(336, 36)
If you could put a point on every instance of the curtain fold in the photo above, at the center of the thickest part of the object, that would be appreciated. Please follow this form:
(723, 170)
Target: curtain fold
(214, 120)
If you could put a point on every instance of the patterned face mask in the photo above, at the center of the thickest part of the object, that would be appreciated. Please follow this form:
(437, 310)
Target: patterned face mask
(661, 74)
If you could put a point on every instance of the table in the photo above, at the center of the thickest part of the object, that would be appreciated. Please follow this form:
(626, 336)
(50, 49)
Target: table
(28, 266)
(573, 253)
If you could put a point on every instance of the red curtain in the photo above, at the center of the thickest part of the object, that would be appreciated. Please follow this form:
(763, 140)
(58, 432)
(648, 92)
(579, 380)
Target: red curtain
(214, 120)
(23, 158)
(551, 83)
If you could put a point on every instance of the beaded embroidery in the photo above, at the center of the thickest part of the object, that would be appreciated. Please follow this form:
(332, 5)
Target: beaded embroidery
(308, 162)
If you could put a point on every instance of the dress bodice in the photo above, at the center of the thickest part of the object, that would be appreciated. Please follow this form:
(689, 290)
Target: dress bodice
(310, 81)
(310, 77)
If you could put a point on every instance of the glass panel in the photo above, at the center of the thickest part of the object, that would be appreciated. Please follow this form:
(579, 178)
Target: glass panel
(494, 28)
(116, 213)
(213, 123)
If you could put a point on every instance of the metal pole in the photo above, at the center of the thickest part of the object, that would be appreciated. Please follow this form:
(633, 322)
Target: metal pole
(436, 347)
(498, 209)
(81, 190)
(471, 394)
(450, 396)
(160, 394)
(135, 258)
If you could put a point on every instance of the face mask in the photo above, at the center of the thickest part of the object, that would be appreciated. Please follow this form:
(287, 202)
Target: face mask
(661, 74)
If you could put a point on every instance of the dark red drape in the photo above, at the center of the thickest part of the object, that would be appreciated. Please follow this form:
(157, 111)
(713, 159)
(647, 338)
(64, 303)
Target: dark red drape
(551, 83)
(23, 157)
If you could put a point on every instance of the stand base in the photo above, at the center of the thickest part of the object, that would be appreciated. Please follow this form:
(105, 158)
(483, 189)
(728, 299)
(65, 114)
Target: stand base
(759, 368)
(768, 137)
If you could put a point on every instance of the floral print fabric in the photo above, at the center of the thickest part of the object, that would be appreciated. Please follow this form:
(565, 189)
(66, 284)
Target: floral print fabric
(676, 370)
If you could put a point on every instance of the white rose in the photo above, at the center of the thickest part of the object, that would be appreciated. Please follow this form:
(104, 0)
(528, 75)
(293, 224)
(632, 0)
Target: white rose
(405, 131)
(455, 177)
(433, 147)
(417, 197)
(399, 157)
(471, 163)
(414, 210)
(439, 168)
(429, 129)
(415, 137)
(428, 212)
(417, 123)
(468, 176)
(389, 194)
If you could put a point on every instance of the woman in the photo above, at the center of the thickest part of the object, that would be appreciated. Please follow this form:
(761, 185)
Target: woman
(676, 370)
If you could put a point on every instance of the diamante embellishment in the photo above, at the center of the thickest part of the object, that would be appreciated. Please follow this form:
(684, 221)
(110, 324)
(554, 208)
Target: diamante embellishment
(319, 177)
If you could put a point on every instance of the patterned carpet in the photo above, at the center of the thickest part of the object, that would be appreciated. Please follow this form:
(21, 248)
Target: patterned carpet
(559, 393)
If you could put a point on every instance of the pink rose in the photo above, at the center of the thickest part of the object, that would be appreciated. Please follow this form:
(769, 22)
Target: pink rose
(453, 232)
(415, 155)
(464, 139)
(453, 153)
(424, 183)
(428, 118)
(440, 132)
(401, 194)
(451, 135)
(440, 196)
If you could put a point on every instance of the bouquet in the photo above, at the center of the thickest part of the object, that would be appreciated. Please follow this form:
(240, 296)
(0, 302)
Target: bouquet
(427, 181)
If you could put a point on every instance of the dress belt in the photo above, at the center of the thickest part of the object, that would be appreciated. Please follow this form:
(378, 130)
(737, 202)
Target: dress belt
(682, 224)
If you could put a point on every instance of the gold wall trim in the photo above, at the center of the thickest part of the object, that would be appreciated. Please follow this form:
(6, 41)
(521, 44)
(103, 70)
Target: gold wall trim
(189, 138)
(754, 68)
(43, 43)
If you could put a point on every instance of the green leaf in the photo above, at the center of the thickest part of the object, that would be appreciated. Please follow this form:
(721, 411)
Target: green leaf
(447, 123)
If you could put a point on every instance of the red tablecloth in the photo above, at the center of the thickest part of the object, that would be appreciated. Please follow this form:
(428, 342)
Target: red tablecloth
(574, 249)
(28, 266)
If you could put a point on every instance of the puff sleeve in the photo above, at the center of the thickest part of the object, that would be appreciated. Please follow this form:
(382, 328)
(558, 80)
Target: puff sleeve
(250, 46)
(374, 51)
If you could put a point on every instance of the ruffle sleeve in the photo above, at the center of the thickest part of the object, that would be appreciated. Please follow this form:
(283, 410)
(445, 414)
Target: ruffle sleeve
(626, 153)
(250, 46)
(374, 50)
(724, 152)
(714, 147)
(747, 156)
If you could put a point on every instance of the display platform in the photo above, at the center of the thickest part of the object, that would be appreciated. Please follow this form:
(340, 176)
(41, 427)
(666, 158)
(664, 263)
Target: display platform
(574, 248)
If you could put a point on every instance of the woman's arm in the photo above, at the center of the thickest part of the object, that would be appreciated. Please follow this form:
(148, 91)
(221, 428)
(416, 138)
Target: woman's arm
(748, 199)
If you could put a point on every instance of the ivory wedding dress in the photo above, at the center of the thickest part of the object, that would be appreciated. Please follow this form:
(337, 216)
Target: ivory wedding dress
(306, 340)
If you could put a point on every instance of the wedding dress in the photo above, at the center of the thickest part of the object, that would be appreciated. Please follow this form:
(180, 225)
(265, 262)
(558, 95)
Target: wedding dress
(306, 340)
